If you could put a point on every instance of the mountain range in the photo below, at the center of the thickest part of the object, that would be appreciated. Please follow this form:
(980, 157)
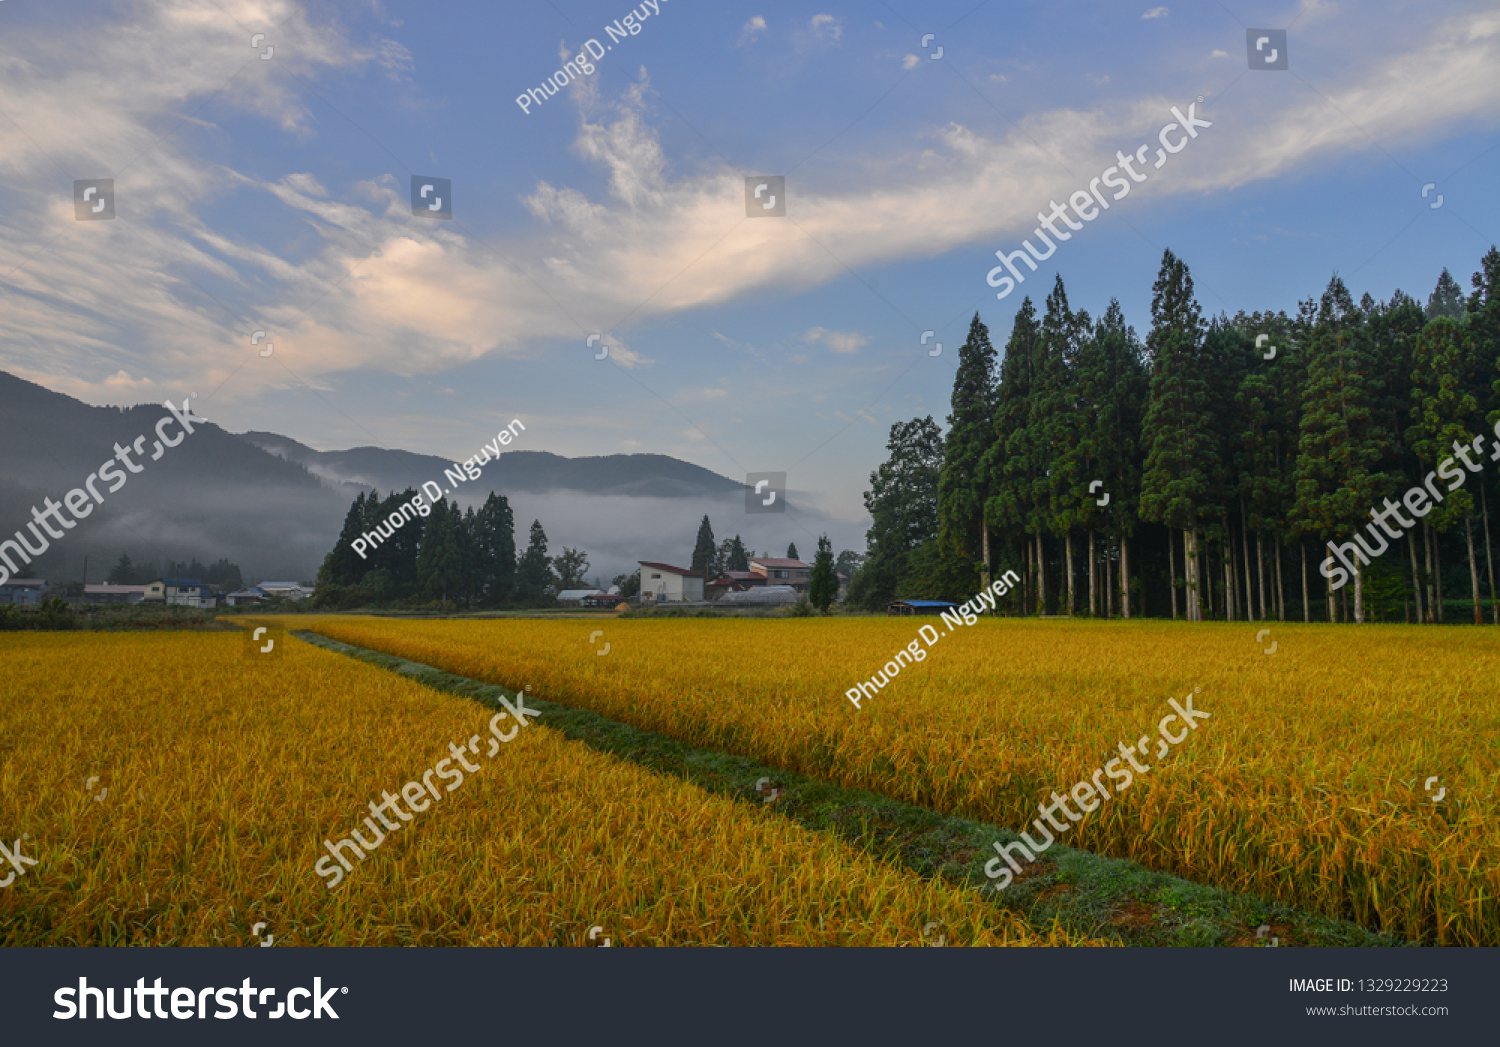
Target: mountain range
(275, 506)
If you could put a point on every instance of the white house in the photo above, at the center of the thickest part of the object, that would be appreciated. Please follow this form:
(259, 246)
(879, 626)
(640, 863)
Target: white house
(664, 583)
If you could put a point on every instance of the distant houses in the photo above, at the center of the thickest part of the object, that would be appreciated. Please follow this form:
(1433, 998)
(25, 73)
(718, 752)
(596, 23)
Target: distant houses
(285, 590)
(245, 597)
(767, 577)
(181, 592)
(114, 593)
(22, 592)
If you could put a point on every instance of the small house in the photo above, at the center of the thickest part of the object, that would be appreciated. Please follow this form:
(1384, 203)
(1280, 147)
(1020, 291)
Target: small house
(22, 591)
(903, 607)
(663, 583)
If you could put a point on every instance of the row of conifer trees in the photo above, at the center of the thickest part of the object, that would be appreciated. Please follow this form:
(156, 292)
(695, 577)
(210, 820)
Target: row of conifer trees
(1202, 472)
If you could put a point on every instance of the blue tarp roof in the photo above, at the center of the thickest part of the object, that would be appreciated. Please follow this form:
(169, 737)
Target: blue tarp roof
(927, 603)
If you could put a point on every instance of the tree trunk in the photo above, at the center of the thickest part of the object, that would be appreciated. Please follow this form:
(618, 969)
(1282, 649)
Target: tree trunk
(1245, 546)
(1197, 577)
(1280, 586)
(984, 531)
(1328, 599)
(1416, 575)
(1125, 576)
(1227, 555)
(1260, 572)
(1094, 564)
(1434, 577)
(1041, 576)
(1427, 551)
(1489, 562)
(1231, 569)
(1306, 605)
(1109, 582)
(1473, 569)
(1172, 571)
(1359, 593)
(1190, 572)
(1208, 574)
(1068, 564)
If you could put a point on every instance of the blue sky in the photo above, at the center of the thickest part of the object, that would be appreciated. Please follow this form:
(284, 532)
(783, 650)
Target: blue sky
(273, 194)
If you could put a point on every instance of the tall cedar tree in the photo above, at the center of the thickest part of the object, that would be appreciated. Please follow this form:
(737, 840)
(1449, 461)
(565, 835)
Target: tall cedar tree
(123, 572)
(1112, 388)
(703, 551)
(1057, 404)
(1009, 463)
(1342, 444)
(534, 571)
(1179, 430)
(1484, 330)
(738, 557)
(494, 551)
(343, 566)
(791, 551)
(1393, 329)
(1447, 298)
(823, 584)
(962, 485)
(1444, 414)
(1226, 356)
(440, 566)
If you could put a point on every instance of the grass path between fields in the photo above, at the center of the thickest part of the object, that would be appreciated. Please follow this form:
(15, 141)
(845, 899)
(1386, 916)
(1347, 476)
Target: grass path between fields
(1086, 893)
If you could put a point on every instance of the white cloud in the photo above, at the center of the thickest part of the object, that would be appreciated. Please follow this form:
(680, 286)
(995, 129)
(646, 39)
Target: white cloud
(1216, 53)
(751, 30)
(910, 62)
(110, 301)
(838, 341)
(825, 27)
(1157, 12)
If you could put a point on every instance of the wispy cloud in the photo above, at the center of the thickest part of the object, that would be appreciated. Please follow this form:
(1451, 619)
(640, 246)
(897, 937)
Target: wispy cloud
(751, 30)
(825, 28)
(372, 290)
(837, 341)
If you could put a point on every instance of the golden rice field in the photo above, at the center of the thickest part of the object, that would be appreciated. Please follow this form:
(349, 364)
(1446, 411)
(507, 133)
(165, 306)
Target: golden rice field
(220, 780)
(1306, 785)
